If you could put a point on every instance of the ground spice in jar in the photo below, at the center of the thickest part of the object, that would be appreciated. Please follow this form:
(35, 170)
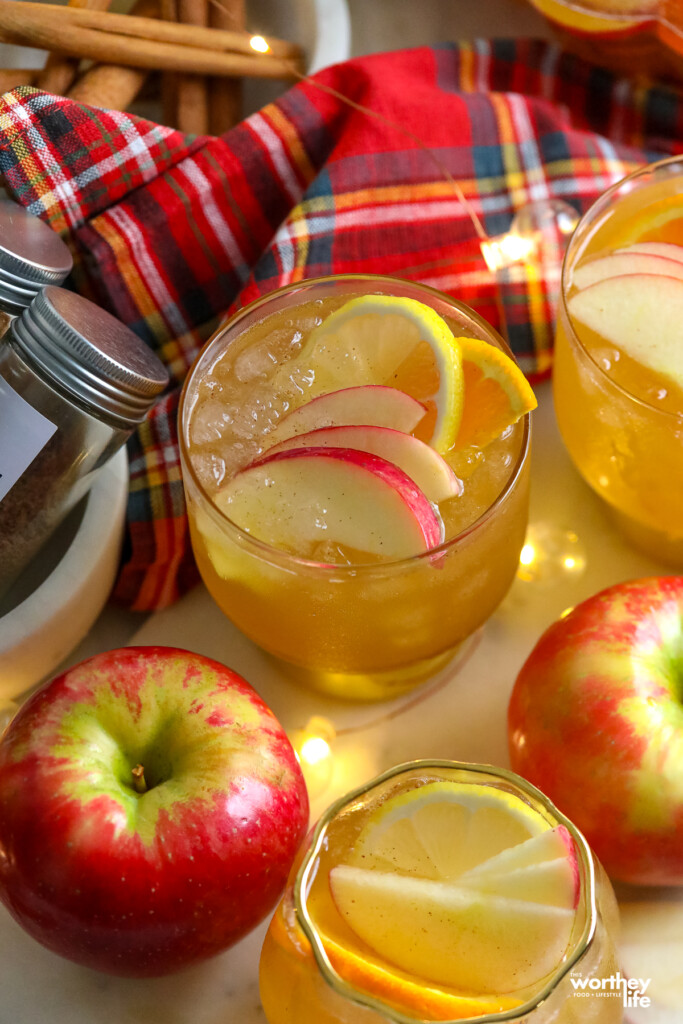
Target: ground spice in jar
(74, 383)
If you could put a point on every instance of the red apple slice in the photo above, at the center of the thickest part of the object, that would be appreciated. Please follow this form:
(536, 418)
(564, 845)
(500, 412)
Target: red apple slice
(666, 249)
(624, 262)
(641, 314)
(420, 461)
(296, 499)
(373, 404)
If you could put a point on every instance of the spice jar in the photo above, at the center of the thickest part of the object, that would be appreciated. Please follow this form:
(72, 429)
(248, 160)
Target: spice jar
(74, 383)
(32, 256)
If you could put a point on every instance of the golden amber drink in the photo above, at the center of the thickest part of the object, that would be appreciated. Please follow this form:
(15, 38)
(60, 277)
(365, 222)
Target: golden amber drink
(315, 971)
(632, 37)
(622, 421)
(365, 629)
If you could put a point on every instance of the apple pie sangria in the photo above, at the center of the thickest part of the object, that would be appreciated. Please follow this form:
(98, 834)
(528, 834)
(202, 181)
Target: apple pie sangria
(355, 459)
(618, 375)
(443, 891)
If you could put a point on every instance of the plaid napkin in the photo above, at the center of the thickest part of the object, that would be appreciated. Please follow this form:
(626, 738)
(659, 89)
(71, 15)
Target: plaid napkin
(170, 232)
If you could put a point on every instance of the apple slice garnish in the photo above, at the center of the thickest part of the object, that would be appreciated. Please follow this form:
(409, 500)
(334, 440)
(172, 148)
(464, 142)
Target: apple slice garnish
(376, 405)
(543, 869)
(420, 461)
(452, 934)
(297, 499)
(668, 250)
(625, 262)
(639, 313)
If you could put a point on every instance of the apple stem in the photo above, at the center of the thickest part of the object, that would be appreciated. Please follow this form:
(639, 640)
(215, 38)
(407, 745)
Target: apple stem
(139, 782)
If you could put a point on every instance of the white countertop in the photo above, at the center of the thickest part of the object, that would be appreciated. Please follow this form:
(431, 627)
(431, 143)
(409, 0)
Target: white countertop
(461, 715)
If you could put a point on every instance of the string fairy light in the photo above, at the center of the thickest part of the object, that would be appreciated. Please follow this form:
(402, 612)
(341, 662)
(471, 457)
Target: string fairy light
(314, 742)
(259, 44)
(550, 555)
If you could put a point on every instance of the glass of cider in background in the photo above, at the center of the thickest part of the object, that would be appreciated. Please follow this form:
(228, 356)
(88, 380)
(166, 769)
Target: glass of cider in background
(331, 562)
(443, 891)
(643, 37)
(618, 372)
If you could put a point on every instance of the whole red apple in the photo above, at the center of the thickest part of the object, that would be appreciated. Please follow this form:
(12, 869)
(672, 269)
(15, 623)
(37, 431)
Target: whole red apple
(150, 809)
(596, 721)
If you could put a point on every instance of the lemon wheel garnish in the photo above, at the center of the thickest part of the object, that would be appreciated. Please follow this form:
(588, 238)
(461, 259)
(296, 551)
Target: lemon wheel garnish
(400, 342)
(443, 829)
(432, 889)
(497, 394)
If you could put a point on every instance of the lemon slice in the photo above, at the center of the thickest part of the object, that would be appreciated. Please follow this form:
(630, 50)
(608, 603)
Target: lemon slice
(434, 888)
(497, 394)
(383, 339)
(442, 829)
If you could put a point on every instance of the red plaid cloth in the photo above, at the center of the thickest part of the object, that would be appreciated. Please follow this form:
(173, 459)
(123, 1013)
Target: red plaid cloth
(169, 232)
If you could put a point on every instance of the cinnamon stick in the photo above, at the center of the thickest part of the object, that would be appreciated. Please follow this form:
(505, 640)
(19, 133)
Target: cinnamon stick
(111, 85)
(224, 40)
(225, 94)
(169, 80)
(49, 28)
(12, 78)
(192, 90)
(60, 71)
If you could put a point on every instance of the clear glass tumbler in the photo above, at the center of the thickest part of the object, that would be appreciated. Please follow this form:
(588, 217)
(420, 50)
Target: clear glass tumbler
(363, 631)
(621, 423)
(300, 985)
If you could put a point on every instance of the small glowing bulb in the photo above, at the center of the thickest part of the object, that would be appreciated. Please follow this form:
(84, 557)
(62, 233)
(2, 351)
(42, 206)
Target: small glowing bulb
(313, 748)
(538, 235)
(504, 250)
(259, 44)
(550, 555)
(527, 554)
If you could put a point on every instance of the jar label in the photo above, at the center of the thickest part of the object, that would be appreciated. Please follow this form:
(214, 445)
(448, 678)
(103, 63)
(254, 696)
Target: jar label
(23, 433)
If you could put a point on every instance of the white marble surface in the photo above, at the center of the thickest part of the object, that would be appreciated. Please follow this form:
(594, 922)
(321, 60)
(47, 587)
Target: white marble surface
(460, 715)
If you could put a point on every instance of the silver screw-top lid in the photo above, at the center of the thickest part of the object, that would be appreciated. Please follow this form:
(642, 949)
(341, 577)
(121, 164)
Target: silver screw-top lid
(32, 256)
(92, 355)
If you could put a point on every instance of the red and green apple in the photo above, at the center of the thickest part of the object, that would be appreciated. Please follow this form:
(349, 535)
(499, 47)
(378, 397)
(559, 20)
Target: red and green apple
(595, 720)
(150, 809)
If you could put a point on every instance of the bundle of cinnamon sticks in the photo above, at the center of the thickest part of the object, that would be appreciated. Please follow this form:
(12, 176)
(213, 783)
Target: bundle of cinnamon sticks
(200, 47)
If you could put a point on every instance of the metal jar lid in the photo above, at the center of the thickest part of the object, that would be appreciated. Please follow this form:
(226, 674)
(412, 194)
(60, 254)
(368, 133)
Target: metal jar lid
(92, 355)
(32, 256)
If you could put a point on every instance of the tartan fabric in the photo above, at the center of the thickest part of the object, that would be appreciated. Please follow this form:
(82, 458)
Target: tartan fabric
(170, 232)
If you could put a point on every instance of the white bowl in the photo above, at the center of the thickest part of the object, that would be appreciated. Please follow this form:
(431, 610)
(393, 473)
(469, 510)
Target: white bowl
(62, 593)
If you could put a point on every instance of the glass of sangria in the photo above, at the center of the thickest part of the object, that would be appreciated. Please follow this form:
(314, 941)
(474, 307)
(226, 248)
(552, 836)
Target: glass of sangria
(618, 371)
(443, 891)
(355, 455)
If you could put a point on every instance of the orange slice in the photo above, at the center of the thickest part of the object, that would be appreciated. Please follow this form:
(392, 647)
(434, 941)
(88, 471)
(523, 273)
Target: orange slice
(661, 221)
(410, 994)
(497, 393)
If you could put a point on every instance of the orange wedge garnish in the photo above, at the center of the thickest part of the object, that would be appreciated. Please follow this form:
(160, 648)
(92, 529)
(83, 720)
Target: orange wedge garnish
(412, 995)
(659, 222)
(497, 393)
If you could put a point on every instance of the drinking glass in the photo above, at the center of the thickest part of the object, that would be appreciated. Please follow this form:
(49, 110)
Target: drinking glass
(642, 37)
(367, 631)
(299, 985)
(623, 430)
